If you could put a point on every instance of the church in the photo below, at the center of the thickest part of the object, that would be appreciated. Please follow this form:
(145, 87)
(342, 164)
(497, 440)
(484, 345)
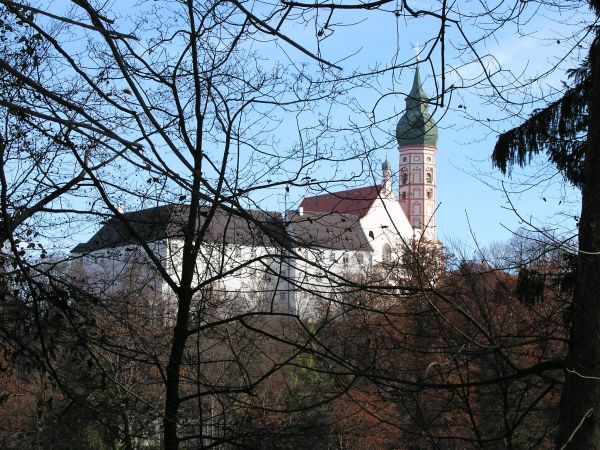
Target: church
(296, 262)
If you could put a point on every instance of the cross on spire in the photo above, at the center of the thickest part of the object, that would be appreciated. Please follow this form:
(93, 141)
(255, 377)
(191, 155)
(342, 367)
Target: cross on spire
(417, 50)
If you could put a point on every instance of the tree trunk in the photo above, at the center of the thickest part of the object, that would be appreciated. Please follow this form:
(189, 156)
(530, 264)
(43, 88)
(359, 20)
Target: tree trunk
(580, 401)
(180, 335)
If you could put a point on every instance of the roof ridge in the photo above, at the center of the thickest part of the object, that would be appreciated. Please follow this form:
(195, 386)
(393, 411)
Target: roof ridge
(371, 186)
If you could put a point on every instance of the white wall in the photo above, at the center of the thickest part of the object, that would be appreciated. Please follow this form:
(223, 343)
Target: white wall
(319, 277)
(230, 279)
(388, 224)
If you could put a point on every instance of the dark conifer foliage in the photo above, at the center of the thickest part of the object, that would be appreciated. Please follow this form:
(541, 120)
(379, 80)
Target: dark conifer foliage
(559, 130)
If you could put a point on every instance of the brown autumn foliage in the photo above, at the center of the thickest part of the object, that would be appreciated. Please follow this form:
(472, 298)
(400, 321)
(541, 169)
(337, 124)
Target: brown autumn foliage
(458, 362)
(462, 362)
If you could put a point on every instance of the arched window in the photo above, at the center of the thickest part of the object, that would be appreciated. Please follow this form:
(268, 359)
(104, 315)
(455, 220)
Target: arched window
(417, 176)
(387, 252)
(404, 195)
(429, 194)
(428, 178)
(404, 177)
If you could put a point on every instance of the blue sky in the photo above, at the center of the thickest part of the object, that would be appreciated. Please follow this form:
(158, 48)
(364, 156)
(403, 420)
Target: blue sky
(477, 204)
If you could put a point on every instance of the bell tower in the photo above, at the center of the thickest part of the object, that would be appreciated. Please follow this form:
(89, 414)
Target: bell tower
(386, 178)
(417, 134)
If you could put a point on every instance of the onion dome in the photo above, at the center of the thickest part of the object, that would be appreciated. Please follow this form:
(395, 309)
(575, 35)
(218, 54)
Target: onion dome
(416, 127)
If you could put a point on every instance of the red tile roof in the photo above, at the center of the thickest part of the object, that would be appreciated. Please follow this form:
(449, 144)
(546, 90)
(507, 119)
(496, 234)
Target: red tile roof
(354, 201)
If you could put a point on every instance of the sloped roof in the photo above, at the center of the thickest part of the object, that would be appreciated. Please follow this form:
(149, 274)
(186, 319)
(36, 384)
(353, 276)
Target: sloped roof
(353, 201)
(326, 230)
(251, 228)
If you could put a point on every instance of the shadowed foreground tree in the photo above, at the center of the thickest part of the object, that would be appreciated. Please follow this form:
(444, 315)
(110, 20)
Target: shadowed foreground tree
(173, 110)
(567, 131)
(183, 112)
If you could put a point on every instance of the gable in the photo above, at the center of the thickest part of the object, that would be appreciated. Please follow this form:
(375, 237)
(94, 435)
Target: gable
(386, 223)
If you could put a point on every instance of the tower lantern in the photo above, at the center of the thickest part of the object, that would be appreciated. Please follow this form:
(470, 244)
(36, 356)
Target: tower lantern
(417, 135)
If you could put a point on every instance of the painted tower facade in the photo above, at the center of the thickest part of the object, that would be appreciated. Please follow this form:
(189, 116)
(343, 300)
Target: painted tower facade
(417, 135)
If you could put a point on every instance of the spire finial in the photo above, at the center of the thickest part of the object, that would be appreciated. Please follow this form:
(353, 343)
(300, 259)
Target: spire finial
(417, 51)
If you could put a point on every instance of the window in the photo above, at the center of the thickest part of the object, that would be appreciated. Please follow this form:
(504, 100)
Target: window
(417, 158)
(238, 252)
(416, 208)
(346, 259)
(428, 178)
(386, 252)
(404, 177)
(332, 257)
(429, 194)
(404, 159)
(429, 159)
(417, 177)
(404, 195)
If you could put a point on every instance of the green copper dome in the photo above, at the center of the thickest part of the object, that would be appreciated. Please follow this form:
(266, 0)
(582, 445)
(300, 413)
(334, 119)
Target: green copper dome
(386, 165)
(416, 127)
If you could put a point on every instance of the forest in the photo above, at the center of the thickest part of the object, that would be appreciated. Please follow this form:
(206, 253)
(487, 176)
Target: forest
(473, 361)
